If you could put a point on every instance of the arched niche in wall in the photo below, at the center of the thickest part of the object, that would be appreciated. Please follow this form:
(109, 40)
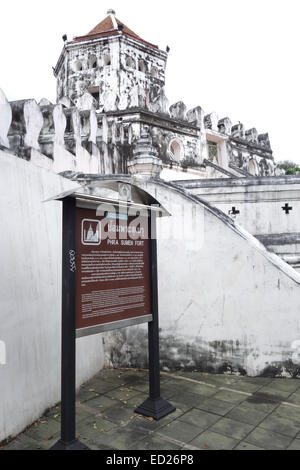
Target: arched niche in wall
(77, 66)
(130, 62)
(142, 66)
(253, 170)
(212, 151)
(106, 58)
(154, 72)
(92, 62)
(263, 167)
(176, 149)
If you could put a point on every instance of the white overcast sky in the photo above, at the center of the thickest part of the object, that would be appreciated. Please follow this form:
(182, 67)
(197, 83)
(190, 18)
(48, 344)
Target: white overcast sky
(239, 58)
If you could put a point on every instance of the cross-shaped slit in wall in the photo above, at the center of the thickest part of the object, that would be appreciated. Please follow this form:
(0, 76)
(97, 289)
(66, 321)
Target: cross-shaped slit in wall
(234, 212)
(287, 208)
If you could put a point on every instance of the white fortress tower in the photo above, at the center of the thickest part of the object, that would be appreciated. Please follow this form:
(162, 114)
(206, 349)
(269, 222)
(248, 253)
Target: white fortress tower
(114, 65)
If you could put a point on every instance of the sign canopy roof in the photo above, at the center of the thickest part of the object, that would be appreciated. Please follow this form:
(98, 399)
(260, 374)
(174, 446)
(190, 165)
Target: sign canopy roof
(110, 191)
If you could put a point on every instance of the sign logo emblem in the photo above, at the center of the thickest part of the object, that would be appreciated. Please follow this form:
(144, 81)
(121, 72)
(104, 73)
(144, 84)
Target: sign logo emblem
(90, 232)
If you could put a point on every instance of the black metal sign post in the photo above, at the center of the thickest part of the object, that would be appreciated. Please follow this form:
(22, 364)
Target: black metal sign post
(155, 406)
(68, 439)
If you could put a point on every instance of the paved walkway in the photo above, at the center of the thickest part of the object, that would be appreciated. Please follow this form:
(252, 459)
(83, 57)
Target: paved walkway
(213, 412)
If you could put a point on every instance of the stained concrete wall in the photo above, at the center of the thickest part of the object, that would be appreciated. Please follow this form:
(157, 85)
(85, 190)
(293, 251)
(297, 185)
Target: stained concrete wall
(226, 303)
(260, 202)
(30, 296)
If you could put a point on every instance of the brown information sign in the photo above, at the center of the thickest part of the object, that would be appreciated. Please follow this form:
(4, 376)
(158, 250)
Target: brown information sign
(112, 268)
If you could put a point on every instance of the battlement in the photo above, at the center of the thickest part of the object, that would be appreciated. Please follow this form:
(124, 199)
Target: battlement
(64, 137)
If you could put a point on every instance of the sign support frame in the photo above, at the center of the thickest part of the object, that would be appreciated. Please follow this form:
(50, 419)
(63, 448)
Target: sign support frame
(68, 439)
(154, 406)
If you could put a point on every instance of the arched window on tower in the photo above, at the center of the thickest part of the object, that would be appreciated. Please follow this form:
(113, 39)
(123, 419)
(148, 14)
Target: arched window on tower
(77, 66)
(92, 63)
(176, 150)
(106, 59)
(154, 72)
(142, 66)
(130, 62)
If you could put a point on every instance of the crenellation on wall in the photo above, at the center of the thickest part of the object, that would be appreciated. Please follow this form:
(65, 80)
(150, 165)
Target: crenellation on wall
(183, 137)
(251, 135)
(211, 121)
(225, 126)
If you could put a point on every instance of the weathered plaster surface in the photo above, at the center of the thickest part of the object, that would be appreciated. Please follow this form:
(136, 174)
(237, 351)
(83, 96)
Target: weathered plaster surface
(30, 290)
(212, 317)
(260, 203)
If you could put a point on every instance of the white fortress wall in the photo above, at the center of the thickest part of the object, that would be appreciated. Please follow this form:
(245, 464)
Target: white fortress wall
(226, 303)
(30, 293)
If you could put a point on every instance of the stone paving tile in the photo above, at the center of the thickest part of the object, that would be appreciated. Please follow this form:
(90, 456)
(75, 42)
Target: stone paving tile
(98, 385)
(120, 439)
(273, 393)
(118, 414)
(243, 414)
(179, 430)
(186, 401)
(46, 444)
(43, 429)
(295, 445)
(212, 379)
(231, 428)
(151, 425)
(122, 393)
(95, 428)
(129, 374)
(99, 403)
(22, 442)
(82, 412)
(247, 387)
(282, 425)
(168, 391)
(294, 398)
(94, 444)
(286, 385)
(230, 396)
(85, 395)
(141, 422)
(200, 389)
(215, 406)
(247, 446)
(153, 442)
(171, 387)
(209, 440)
(260, 403)
(137, 400)
(112, 374)
(199, 418)
(289, 411)
(268, 439)
(257, 380)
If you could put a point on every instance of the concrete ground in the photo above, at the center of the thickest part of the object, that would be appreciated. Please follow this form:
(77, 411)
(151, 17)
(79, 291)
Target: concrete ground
(213, 412)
